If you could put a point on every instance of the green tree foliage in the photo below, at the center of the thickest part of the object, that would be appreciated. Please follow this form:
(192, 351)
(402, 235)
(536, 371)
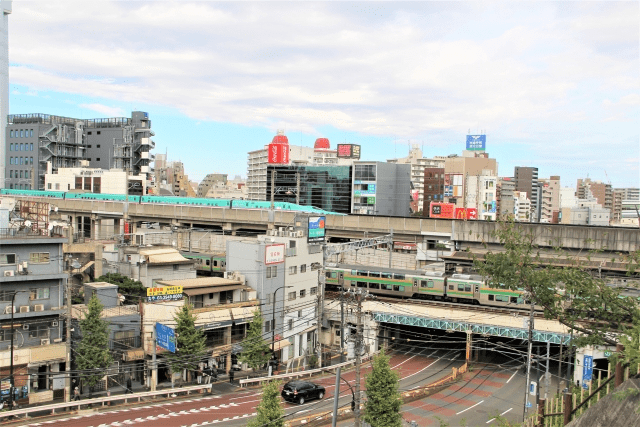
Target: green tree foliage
(382, 408)
(270, 410)
(568, 291)
(132, 290)
(255, 350)
(92, 355)
(190, 342)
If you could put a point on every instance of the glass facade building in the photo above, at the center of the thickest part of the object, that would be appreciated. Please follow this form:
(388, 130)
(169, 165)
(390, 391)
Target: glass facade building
(324, 187)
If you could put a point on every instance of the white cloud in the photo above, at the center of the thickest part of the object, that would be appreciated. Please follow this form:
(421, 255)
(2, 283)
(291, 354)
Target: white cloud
(104, 110)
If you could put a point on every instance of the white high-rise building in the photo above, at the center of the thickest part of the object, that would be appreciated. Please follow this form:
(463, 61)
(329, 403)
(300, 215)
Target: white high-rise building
(4, 85)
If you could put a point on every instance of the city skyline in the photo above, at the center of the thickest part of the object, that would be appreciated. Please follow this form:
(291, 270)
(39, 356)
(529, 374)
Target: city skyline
(557, 80)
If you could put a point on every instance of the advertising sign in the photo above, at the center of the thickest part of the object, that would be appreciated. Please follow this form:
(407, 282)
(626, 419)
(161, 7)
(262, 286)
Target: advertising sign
(468, 213)
(587, 371)
(274, 254)
(316, 229)
(166, 293)
(165, 337)
(278, 154)
(441, 210)
(348, 151)
(476, 142)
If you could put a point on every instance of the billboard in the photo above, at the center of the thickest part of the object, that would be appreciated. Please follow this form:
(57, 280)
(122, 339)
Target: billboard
(468, 213)
(316, 229)
(587, 371)
(166, 293)
(274, 254)
(348, 151)
(165, 337)
(476, 142)
(278, 154)
(441, 210)
(453, 184)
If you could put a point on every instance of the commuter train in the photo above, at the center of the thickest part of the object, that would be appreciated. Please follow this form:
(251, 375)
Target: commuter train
(463, 288)
(209, 264)
(168, 200)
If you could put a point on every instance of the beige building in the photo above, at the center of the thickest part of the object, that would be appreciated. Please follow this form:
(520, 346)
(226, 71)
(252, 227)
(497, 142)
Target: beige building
(92, 180)
(470, 164)
(170, 178)
(505, 197)
(550, 211)
(522, 206)
(602, 192)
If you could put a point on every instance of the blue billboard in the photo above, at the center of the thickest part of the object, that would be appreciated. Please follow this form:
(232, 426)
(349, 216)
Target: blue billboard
(316, 229)
(165, 337)
(587, 371)
(476, 142)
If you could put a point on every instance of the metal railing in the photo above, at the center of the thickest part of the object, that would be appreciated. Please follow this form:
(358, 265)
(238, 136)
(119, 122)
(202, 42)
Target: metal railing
(101, 400)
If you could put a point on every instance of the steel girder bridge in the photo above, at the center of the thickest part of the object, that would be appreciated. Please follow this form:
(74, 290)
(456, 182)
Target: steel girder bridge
(476, 328)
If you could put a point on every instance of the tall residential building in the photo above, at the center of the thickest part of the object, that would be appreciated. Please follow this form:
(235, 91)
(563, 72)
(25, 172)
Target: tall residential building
(418, 164)
(41, 143)
(527, 180)
(628, 193)
(457, 170)
(550, 196)
(4, 86)
(616, 212)
(381, 189)
(522, 206)
(481, 195)
(601, 191)
(433, 188)
(505, 197)
(170, 179)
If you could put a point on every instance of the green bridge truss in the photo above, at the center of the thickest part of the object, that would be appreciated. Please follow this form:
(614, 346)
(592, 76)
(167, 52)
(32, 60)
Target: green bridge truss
(449, 325)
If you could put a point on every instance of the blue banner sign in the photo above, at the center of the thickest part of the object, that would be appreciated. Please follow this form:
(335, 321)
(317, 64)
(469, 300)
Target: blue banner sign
(587, 370)
(476, 142)
(165, 337)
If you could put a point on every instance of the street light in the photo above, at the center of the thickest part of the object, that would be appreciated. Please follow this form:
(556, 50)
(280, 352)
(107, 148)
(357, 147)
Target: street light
(273, 319)
(11, 389)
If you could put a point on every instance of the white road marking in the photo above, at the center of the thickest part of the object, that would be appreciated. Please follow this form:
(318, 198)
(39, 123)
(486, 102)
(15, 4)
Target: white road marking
(514, 374)
(416, 373)
(410, 351)
(464, 410)
(493, 419)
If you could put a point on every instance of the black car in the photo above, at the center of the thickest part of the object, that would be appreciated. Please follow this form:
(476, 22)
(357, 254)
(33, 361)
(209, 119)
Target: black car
(301, 391)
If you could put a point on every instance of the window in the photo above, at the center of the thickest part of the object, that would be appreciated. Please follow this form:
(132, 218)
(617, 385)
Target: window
(491, 298)
(361, 284)
(313, 291)
(97, 159)
(374, 274)
(303, 268)
(10, 147)
(98, 146)
(39, 257)
(31, 134)
(272, 271)
(269, 298)
(21, 147)
(22, 160)
(450, 287)
(423, 283)
(31, 149)
(303, 293)
(6, 295)
(10, 134)
(299, 313)
(293, 269)
(11, 174)
(31, 162)
(89, 133)
(461, 288)
(98, 132)
(7, 259)
(467, 288)
(39, 331)
(374, 285)
(513, 300)
(5, 335)
(398, 276)
(39, 293)
(292, 296)
(290, 324)
(21, 133)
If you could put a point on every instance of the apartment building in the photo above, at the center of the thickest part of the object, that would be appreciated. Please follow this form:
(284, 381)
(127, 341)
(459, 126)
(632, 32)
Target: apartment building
(481, 192)
(505, 197)
(38, 144)
(526, 179)
(628, 193)
(550, 196)
(433, 188)
(602, 192)
(522, 206)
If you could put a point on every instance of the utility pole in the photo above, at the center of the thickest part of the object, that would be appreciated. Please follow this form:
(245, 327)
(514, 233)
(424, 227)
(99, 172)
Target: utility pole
(154, 367)
(360, 295)
(528, 382)
(341, 285)
(321, 282)
(390, 245)
(67, 381)
(297, 188)
(273, 187)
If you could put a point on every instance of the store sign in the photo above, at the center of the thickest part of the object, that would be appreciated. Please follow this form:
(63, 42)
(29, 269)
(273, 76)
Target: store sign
(468, 213)
(348, 151)
(316, 229)
(165, 337)
(441, 210)
(166, 293)
(274, 254)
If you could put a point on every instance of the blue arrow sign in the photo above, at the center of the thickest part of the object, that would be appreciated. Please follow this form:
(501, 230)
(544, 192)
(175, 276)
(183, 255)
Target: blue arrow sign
(166, 337)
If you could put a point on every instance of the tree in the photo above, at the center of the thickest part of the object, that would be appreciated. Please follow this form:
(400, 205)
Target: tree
(382, 408)
(132, 290)
(190, 342)
(270, 411)
(92, 355)
(255, 350)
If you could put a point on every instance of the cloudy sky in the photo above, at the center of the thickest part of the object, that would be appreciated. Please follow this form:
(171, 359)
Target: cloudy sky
(553, 84)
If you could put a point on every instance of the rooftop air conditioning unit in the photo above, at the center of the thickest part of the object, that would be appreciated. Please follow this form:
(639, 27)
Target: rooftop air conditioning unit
(9, 273)
(38, 307)
(44, 341)
(24, 309)
(7, 309)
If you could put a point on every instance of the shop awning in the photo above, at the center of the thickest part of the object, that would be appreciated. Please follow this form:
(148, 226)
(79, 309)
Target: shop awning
(135, 354)
(214, 319)
(242, 314)
(213, 289)
(279, 345)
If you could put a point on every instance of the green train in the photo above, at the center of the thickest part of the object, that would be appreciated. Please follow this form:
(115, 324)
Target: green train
(208, 264)
(462, 288)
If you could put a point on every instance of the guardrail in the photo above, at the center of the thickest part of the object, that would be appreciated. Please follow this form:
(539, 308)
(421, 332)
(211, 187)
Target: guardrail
(78, 403)
(247, 381)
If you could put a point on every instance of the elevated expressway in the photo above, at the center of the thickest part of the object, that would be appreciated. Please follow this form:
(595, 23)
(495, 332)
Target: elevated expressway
(465, 234)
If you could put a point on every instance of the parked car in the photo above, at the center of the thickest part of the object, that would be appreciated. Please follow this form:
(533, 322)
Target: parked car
(301, 391)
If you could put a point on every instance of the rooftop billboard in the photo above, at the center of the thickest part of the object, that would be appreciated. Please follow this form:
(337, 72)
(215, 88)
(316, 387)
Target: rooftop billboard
(476, 142)
(348, 151)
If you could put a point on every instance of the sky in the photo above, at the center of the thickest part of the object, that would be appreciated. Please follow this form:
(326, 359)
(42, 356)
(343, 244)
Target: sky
(554, 85)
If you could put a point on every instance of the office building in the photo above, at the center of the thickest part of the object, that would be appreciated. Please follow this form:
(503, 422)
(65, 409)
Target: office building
(381, 189)
(526, 179)
(433, 188)
(4, 86)
(38, 144)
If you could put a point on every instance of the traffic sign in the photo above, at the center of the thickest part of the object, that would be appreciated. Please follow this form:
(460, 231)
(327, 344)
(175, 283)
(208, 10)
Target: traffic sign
(166, 337)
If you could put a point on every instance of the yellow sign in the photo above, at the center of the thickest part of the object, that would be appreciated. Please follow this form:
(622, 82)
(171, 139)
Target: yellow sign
(166, 290)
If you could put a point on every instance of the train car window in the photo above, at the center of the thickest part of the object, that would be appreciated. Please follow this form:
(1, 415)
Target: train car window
(374, 285)
(387, 275)
(513, 300)
(491, 297)
(362, 284)
(461, 287)
(401, 288)
(477, 289)
(398, 276)
(208, 262)
(389, 287)
(430, 284)
(450, 287)
(415, 282)
(467, 288)
(396, 288)
(374, 274)
(354, 272)
(423, 283)
(362, 273)
(520, 300)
